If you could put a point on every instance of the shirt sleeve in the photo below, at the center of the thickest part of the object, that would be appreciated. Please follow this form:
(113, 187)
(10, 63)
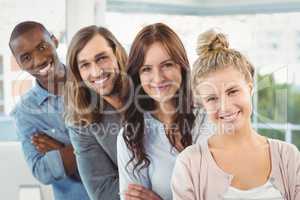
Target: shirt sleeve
(181, 182)
(46, 168)
(97, 171)
(296, 169)
(126, 171)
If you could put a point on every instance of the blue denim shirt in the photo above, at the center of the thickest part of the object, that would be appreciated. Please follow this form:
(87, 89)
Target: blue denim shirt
(39, 110)
(95, 148)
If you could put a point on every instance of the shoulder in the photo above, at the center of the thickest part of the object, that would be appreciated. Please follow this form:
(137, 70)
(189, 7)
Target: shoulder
(287, 152)
(25, 105)
(283, 147)
(193, 153)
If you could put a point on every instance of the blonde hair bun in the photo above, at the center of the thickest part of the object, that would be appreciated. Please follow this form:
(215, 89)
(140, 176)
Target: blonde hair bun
(211, 40)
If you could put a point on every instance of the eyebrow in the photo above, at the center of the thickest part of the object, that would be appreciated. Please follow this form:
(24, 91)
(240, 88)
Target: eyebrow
(27, 52)
(163, 62)
(96, 56)
(206, 96)
(231, 88)
(168, 60)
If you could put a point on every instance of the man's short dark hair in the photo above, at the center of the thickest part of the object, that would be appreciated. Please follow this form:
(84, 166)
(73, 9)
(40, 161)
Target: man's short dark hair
(24, 27)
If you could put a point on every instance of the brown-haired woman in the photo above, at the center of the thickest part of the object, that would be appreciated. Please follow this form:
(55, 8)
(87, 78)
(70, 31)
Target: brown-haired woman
(95, 88)
(159, 119)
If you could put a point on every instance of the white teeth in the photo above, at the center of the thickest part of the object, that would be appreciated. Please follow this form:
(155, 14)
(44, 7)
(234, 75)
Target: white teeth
(100, 81)
(45, 70)
(230, 117)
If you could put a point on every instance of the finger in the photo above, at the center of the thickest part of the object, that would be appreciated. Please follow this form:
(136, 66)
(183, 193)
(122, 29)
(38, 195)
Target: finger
(140, 193)
(136, 187)
(48, 141)
(42, 146)
(46, 147)
(130, 197)
(42, 137)
(51, 141)
(34, 137)
(42, 149)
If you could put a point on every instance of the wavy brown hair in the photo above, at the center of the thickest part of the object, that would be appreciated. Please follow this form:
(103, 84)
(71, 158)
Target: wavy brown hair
(134, 119)
(83, 105)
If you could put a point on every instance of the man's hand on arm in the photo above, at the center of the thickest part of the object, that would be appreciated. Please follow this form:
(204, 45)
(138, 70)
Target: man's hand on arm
(44, 143)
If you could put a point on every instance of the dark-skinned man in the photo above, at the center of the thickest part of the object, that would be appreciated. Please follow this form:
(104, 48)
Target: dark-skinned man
(39, 113)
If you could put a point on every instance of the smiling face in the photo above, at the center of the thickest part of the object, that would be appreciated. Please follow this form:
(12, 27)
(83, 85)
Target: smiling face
(35, 52)
(160, 76)
(226, 96)
(98, 66)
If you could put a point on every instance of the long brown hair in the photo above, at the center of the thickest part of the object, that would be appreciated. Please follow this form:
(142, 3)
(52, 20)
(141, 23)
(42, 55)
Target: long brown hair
(81, 103)
(133, 117)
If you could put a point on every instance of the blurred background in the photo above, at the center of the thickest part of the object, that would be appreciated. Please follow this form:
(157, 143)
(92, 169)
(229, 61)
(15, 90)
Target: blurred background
(267, 31)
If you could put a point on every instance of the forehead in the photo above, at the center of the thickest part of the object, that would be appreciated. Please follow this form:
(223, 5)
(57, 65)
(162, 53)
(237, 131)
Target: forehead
(222, 79)
(29, 39)
(97, 44)
(156, 53)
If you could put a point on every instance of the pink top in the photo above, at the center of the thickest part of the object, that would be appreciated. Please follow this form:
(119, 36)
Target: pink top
(196, 175)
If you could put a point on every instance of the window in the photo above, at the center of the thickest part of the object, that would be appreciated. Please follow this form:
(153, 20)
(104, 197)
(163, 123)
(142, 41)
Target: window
(1, 86)
(262, 38)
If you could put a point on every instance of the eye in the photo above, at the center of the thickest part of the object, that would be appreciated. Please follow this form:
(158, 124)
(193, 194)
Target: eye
(211, 99)
(42, 47)
(168, 64)
(145, 69)
(101, 59)
(84, 65)
(25, 58)
(232, 92)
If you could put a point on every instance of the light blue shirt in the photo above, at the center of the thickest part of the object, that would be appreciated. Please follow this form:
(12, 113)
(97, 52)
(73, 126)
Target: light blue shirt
(162, 156)
(39, 110)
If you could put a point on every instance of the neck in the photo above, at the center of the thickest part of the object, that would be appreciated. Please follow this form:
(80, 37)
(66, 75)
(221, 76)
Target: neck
(241, 137)
(115, 101)
(166, 112)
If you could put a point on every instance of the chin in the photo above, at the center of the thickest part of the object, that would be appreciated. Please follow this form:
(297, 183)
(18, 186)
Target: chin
(104, 92)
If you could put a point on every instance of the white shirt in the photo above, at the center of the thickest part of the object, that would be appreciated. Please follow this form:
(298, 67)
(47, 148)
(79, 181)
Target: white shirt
(162, 156)
(264, 192)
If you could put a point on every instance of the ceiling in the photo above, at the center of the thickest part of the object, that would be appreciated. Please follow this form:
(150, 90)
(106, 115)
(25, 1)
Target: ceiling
(204, 7)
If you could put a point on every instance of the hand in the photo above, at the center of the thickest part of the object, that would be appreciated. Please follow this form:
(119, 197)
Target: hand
(138, 192)
(45, 143)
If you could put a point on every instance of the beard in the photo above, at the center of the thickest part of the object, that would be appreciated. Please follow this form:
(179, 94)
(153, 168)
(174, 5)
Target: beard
(117, 85)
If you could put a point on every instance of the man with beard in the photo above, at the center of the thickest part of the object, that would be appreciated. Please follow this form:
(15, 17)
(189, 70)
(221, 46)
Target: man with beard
(38, 115)
(94, 99)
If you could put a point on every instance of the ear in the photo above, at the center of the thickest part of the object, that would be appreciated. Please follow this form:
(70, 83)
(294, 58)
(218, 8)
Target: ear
(54, 39)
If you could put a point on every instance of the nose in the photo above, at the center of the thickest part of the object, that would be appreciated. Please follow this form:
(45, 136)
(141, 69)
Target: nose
(95, 70)
(39, 60)
(157, 75)
(224, 103)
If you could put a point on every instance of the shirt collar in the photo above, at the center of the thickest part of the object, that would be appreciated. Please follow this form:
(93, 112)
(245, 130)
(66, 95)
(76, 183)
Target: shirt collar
(152, 120)
(41, 93)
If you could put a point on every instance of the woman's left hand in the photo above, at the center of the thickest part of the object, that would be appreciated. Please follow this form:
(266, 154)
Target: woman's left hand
(138, 192)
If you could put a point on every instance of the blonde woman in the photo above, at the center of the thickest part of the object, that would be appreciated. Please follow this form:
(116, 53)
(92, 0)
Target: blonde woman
(236, 162)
